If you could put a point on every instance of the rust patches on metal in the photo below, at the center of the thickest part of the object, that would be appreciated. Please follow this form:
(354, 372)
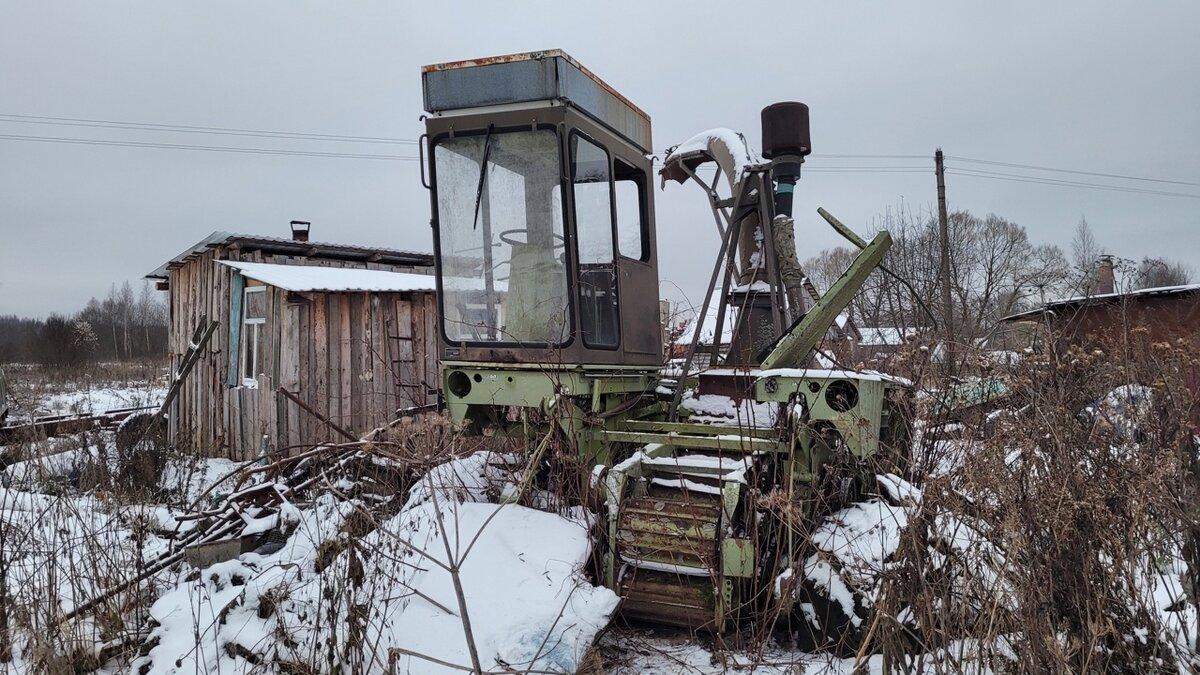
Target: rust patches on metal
(535, 56)
(492, 60)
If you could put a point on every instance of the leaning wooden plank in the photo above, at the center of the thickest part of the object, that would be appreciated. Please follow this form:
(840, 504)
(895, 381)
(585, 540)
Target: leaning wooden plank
(200, 338)
(328, 422)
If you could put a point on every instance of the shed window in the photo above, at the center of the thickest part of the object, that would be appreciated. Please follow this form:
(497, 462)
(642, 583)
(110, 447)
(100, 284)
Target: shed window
(254, 315)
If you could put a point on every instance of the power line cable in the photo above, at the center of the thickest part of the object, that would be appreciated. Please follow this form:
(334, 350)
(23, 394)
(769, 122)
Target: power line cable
(313, 153)
(266, 133)
(207, 148)
(1082, 173)
(187, 128)
(261, 133)
(837, 156)
(1018, 178)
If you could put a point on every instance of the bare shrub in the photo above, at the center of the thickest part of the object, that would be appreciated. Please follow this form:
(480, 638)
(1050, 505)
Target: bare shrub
(1066, 539)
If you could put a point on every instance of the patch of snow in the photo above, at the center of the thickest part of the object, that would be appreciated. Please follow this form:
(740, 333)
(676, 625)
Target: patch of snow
(886, 336)
(717, 409)
(306, 278)
(728, 147)
(529, 603)
(687, 485)
(671, 568)
(93, 401)
(898, 489)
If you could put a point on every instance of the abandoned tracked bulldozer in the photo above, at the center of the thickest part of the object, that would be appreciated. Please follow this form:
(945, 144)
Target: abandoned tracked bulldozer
(541, 181)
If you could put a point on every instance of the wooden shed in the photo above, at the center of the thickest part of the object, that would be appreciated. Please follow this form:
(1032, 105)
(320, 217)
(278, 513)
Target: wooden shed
(350, 330)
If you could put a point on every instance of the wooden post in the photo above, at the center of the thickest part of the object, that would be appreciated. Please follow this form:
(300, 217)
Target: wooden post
(944, 235)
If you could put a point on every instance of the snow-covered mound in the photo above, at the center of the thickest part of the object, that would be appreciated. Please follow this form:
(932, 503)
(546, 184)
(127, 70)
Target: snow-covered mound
(328, 601)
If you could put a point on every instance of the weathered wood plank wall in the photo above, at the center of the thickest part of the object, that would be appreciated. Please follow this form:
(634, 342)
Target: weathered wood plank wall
(355, 357)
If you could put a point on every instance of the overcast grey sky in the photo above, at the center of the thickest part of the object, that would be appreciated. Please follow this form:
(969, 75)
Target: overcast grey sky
(1091, 85)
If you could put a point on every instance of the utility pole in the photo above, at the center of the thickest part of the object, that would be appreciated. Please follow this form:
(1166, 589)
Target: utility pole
(944, 233)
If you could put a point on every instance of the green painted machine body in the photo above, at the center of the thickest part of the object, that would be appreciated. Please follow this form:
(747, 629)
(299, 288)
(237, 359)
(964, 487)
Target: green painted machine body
(697, 558)
(549, 322)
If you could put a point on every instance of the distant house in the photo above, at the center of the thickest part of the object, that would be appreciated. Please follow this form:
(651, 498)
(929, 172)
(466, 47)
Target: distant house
(350, 330)
(1105, 315)
(1167, 314)
(1109, 320)
(878, 343)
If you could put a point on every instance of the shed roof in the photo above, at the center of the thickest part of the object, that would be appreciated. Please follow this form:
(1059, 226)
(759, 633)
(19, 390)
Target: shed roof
(1104, 297)
(307, 278)
(886, 336)
(297, 248)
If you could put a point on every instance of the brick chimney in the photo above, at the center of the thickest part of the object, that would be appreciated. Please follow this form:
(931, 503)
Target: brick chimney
(300, 230)
(1105, 280)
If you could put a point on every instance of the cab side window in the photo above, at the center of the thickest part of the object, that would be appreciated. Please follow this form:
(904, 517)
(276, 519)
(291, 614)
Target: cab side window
(591, 182)
(630, 194)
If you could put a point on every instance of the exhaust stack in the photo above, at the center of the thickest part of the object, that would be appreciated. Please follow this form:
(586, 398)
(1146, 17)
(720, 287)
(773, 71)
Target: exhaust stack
(785, 141)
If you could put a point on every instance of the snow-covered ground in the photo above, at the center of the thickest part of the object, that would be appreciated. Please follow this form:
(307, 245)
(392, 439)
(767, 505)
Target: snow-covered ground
(36, 393)
(101, 399)
(524, 590)
(350, 585)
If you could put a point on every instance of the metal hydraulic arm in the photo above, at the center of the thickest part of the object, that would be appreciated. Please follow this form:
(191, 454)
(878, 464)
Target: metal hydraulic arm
(792, 349)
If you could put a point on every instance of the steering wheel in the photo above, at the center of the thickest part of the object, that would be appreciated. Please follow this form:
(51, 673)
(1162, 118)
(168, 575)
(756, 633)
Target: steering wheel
(508, 238)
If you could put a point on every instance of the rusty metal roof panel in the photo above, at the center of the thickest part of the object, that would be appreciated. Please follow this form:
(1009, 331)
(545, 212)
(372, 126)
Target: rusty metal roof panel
(296, 248)
(1050, 306)
(529, 77)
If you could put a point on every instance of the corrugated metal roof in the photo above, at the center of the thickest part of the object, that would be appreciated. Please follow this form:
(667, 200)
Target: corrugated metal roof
(1103, 297)
(293, 247)
(309, 278)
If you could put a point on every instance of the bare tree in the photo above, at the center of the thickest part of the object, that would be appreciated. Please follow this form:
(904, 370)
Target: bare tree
(1159, 272)
(125, 305)
(994, 266)
(1084, 254)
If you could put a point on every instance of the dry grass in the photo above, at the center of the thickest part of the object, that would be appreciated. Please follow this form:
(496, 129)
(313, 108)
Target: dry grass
(1066, 539)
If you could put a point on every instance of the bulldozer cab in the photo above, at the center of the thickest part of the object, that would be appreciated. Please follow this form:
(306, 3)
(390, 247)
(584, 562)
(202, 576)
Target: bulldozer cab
(543, 215)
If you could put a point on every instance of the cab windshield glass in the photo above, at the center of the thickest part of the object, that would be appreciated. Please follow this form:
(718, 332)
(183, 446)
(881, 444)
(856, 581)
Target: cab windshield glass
(500, 230)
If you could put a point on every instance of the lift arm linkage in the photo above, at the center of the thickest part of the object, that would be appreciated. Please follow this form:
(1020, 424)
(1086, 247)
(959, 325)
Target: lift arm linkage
(792, 349)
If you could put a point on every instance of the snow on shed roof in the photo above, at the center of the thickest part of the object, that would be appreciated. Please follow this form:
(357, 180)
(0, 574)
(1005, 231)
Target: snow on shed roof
(305, 278)
(295, 248)
(707, 327)
(886, 336)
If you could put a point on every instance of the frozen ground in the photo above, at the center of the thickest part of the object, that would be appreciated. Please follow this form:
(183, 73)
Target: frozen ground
(101, 399)
(521, 571)
(34, 392)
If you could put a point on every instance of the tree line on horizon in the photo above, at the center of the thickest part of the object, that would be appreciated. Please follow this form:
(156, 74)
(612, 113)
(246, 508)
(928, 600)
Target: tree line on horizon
(123, 326)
